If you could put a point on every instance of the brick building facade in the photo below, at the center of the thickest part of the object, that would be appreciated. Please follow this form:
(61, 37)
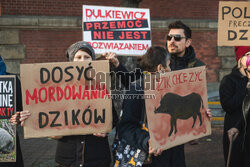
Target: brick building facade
(35, 31)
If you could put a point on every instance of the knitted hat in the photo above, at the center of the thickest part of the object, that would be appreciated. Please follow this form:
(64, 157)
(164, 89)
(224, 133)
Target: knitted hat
(74, 48)
(241, 51)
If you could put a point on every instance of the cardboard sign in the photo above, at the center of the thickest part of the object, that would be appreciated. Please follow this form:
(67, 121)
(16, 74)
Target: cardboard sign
(125, 31)
(69, 98)
(234, 23)
(7, 109)
(177, 114)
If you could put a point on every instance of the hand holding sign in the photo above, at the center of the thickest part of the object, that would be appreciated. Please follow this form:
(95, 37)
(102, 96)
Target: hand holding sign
(151, 150)
(20, 117)
(112, 57)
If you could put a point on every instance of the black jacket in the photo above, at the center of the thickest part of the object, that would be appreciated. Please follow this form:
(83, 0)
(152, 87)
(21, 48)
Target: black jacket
(173, 157)
(130, 129)
(133, 110)
(244, 124)
(89, 150)
(189, 60)
(86, 150)
(232, 92)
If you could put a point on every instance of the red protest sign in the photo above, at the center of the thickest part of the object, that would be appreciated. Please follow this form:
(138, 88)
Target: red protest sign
(177, 114)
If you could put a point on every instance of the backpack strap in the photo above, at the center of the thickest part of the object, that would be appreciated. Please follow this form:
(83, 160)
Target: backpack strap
(144, 117)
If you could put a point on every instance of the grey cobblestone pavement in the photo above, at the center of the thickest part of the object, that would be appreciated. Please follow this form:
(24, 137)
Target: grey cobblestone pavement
(207, 153)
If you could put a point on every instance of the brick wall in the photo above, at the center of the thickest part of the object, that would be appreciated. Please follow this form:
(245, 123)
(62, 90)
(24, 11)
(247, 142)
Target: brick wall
(50, 7)
(47, 45)
(177, 9)
(180, 9)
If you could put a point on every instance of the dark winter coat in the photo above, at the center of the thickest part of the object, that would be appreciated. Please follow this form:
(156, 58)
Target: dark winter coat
(85, 150)
(232, 92)
(130, 129)
(174, 157)
(189, 60)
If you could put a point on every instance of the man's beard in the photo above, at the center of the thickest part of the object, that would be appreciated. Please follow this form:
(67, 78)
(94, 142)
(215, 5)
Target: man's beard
(173, 52)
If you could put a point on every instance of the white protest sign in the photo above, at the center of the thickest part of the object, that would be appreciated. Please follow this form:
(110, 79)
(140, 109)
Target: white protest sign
(125, 31)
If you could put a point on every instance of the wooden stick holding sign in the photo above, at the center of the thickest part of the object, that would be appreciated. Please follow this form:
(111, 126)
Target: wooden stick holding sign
(177, 114)
(7, 109)
(69, 98)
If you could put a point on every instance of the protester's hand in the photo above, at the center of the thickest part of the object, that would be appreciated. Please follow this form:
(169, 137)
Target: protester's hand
(151, 150)
(232, 133)
(209, 114)
(23, 116)
(15, 119)
(112, 57)
(100, 134)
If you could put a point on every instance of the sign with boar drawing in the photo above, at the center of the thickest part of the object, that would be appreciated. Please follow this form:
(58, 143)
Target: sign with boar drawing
(177, 113)
(68, 98)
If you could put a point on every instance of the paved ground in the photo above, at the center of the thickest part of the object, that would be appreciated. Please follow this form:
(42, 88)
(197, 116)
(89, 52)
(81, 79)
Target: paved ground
(208, 153)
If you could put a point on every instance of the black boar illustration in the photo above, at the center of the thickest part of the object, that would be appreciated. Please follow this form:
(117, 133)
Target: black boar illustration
(179, 107)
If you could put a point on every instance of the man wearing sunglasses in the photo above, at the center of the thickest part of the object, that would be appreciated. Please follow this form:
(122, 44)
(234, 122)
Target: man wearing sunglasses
(182, 57)
(179, 46)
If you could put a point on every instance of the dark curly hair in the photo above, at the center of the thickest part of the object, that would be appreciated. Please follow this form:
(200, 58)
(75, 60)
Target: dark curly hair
(154, 56)
(180, 25)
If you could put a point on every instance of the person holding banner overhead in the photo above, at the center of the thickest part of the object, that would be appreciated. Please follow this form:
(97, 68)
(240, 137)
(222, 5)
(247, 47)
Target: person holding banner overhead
(81, 150)
(19, 158)
(234, 96)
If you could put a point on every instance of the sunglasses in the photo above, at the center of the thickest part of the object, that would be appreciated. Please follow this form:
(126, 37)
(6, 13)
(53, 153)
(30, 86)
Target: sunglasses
(177, 37)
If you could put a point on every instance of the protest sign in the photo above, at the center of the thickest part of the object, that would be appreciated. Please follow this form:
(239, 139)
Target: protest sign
(177, 114)
(69, 98)
(125, 31)
(234, 23)
(7, 109)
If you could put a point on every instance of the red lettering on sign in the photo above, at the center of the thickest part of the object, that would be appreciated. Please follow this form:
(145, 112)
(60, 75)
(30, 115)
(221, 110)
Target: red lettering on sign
(138, 24)
(105, 25)
(121, 24)
(88, 25)
(97, 26)
(112, 25)
(2, 112)
(69, 92)
(51, 94)
(103, 35)
(33, 97)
